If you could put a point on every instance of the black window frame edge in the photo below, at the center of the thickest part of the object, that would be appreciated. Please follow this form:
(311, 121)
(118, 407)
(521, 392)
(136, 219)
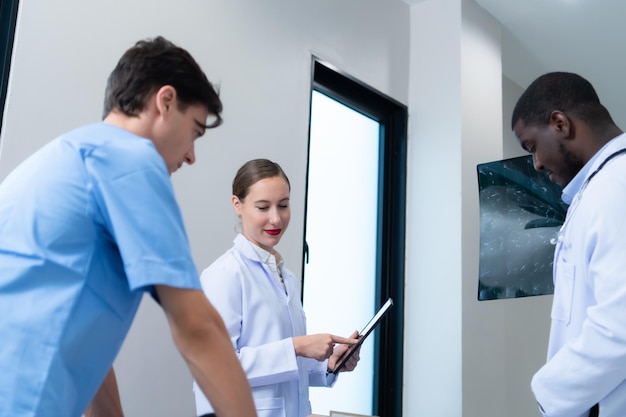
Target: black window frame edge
(393, 115)
(8, 21)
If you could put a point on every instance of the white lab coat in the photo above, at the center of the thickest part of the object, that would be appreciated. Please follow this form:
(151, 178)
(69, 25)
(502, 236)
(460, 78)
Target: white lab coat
(587, 350)
(261, 320)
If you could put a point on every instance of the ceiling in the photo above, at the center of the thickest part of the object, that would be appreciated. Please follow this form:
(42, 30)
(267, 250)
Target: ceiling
(581, 36)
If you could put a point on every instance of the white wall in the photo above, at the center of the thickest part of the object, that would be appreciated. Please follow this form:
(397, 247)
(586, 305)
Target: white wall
(527, 320)
(260, 53)
(464, 357)
(510, 93)
(433, 299)
(484, 342)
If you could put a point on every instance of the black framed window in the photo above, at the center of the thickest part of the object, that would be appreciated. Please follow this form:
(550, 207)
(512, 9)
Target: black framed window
(8, 17)
(390, 237)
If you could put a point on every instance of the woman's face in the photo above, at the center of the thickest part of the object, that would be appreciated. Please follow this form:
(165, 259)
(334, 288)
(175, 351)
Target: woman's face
(265, 212)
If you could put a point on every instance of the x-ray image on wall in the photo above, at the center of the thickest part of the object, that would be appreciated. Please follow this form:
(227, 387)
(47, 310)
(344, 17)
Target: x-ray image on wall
(521, 212)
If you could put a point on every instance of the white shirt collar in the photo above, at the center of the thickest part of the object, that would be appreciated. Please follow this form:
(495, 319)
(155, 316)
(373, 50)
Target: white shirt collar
(574, 186)
(273, 261)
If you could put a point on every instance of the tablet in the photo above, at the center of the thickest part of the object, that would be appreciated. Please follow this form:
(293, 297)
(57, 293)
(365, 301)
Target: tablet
(363, 334)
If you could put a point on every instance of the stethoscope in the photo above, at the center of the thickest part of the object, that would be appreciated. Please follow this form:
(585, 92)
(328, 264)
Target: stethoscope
(560, 235)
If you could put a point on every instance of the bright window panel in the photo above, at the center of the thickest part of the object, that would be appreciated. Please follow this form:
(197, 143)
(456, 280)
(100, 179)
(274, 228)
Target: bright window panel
(341, 231)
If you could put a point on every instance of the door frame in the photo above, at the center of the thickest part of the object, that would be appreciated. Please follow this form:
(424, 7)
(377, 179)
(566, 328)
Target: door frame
(393, 118)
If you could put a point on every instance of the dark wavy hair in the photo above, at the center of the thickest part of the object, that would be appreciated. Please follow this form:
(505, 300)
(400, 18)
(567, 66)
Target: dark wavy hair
(149, 65)
(254, 171)
(564, 91)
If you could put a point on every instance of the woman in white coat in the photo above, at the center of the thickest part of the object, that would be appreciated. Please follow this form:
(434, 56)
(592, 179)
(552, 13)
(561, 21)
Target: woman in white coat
(259, 300)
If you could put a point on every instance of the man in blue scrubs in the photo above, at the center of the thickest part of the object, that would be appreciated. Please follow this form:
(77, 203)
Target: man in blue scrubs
(87, 225)
(559, 119)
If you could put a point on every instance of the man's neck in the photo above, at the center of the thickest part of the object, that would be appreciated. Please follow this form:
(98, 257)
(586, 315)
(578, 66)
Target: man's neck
(138, 125)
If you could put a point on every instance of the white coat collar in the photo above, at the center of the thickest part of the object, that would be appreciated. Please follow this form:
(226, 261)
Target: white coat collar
(570, 191)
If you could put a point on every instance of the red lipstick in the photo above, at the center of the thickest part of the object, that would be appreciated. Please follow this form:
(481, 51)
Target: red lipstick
(273, 232)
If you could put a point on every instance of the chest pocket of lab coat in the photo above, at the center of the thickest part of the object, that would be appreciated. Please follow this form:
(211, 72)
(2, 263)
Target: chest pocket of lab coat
(270, 407)
(563, 292)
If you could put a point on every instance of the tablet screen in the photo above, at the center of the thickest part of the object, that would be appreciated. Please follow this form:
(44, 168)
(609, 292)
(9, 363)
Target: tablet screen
(363, 334)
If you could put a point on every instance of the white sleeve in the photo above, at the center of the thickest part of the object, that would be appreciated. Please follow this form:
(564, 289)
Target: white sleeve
(319, 375)
(264, 364)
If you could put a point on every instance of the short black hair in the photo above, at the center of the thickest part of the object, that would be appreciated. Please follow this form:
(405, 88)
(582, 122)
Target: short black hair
(564, 91)
(151, 64)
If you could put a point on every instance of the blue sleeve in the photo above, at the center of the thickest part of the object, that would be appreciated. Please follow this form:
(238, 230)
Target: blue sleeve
(137, 204)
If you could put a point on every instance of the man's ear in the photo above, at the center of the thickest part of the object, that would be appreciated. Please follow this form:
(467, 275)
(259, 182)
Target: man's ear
(165, 98)
(561, 123)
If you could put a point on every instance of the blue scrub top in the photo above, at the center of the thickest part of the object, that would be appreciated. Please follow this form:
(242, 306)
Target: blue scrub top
(87, 224)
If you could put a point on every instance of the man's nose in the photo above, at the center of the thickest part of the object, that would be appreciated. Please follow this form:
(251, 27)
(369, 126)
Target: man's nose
(190, 157)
